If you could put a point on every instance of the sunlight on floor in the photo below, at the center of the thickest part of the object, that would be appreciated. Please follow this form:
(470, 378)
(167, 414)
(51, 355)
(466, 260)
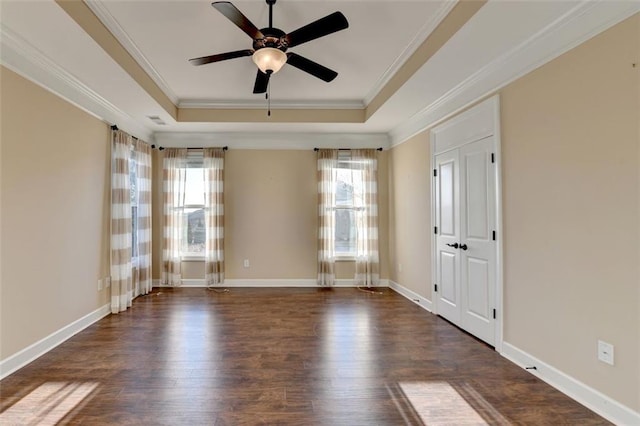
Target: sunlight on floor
(436, 403)
(47, 404)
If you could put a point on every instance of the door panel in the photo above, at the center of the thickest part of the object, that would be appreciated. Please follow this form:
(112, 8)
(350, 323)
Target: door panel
(478, 287)
(448, 278)
(447, 203)
(447, 211)
(478, 220)
(477, 214)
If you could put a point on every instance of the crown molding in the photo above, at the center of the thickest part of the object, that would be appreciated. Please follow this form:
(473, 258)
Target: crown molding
(272, 140)
(108, 20)
(23, 58)
(585, 20)
(275, 104)
(422, 34)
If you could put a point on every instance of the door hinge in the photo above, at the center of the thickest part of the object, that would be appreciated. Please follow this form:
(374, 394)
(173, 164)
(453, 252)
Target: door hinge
(493, 157)
(435, 172)
(494, 235)
(494, 314)
(435, 230)
(436, 287)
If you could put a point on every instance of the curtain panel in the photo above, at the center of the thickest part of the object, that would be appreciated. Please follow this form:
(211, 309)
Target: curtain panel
(213, 164)
(367, 257)
(174, 181)
(142, 271)
(327, 163)
(121, 267)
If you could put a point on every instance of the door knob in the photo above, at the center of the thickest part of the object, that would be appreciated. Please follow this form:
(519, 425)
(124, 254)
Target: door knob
(463, 246)
(454, 245)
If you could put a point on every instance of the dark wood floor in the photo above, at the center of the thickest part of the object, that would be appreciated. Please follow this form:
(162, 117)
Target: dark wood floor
(279, 356)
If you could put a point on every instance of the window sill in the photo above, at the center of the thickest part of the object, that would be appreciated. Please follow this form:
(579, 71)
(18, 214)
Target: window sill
(345, 259)
(192, 258)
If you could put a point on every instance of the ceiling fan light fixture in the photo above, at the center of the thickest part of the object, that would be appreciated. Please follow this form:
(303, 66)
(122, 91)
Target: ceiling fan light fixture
(269, 59)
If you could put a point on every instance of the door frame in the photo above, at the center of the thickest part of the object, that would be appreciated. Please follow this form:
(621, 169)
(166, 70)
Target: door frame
(482, 120)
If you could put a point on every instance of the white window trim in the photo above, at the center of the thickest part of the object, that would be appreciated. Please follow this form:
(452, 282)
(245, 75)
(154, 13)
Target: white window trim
(344, 159)
(345, 258)
(194, 160)
(134, 160)
(191, 257)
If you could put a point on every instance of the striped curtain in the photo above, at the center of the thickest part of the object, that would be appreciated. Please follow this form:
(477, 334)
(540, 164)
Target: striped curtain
(142, 275)
(121, 272)
(367, 258)
(174, 180)
(327, 163)
(213, 164)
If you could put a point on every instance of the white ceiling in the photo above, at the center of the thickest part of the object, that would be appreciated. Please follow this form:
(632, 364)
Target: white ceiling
(502, 41)
(178, 31)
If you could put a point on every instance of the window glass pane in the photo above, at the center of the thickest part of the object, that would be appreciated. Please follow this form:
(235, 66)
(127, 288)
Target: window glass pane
(358, 188)
(134, 231)
(348, 188)
(133, 188)
(345, 232)
(193, 240)
(133, 179)
(194, 191)
(344, 187)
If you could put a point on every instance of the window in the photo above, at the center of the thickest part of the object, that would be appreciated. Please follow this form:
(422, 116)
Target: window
(189, 205)
(133, 182)
(348, 205)
(194, 229)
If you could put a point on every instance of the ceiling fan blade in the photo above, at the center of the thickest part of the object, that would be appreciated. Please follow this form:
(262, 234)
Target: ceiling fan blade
(262, 81)
(235, 16)
(221, 57)
(320, 28)
(313, 68)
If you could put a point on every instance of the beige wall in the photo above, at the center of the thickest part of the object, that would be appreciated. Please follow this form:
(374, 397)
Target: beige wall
(54, 221)
(571, 192)
(571, 174)
(271, 216)
(410, 215)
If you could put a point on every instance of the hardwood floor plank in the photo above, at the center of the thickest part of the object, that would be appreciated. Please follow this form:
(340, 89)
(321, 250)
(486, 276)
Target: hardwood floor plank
(289, 356)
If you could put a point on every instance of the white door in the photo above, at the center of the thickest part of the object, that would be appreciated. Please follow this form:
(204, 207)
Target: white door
(447, 211)
(477, 247)
(465, 246)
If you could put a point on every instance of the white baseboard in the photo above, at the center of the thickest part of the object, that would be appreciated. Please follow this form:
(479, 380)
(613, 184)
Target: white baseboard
(271, 282)
(412, 296)
(193, 283)
(586, 395)
(30, 353)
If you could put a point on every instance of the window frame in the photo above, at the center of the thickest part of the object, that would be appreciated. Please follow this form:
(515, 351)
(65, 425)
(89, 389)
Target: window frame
(344, 158)
(134, 198)
(195, 160)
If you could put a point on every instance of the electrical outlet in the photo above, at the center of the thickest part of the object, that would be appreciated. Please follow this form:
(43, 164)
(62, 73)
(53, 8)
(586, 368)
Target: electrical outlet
(100, 284)
(399, 267)
(605, 352)
(107, 282)
(246, 263)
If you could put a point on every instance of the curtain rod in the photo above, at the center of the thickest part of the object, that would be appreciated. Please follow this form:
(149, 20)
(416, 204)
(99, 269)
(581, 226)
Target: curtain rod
(224, 148)
(114, 128)
(347, 149)
(161, 148)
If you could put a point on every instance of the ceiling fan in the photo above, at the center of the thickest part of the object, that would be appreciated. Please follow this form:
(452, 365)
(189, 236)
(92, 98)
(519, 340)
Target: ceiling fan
(270, 44)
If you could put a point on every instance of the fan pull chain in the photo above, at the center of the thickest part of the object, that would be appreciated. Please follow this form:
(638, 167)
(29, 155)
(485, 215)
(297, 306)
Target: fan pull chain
(268, 98)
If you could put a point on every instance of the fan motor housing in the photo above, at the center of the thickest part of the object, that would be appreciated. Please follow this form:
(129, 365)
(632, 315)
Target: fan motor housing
(273, 37)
